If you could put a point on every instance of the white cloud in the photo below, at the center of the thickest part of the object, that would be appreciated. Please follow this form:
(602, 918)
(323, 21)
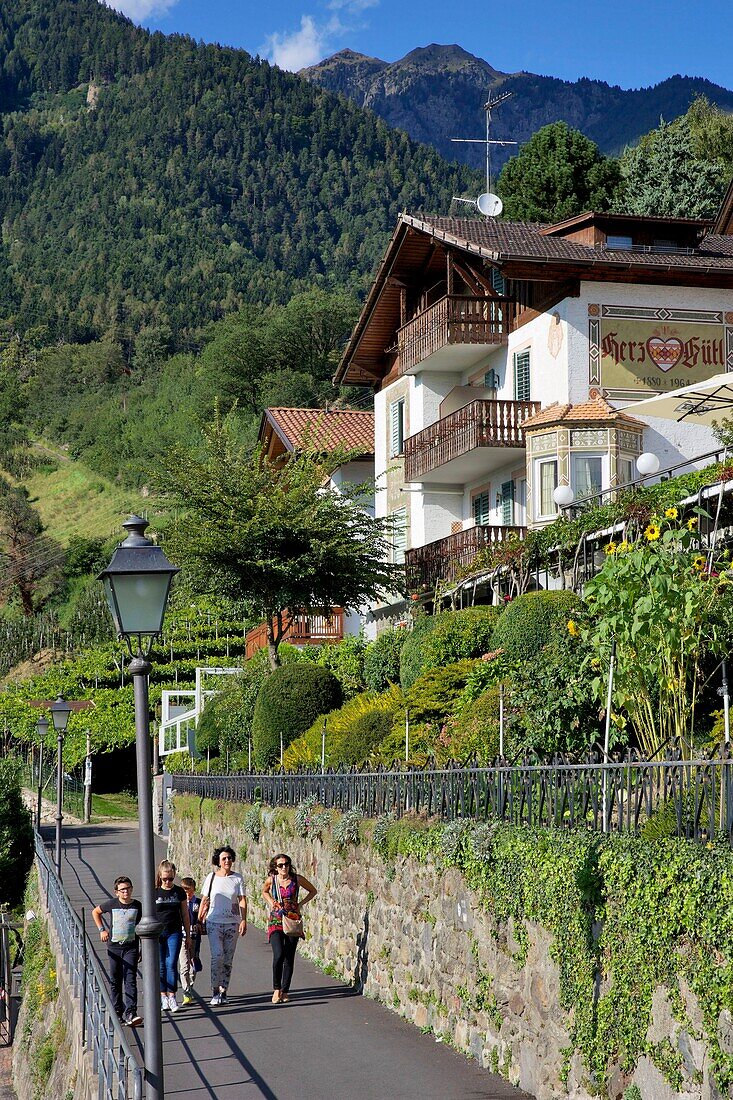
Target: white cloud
(141, 9)
(309, 44)
(314, 40)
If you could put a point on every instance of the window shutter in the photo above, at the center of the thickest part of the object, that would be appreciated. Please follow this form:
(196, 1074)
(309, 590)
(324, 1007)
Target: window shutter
(507, 503)
(521, 376)
(497, 282)
(396, 428)
(481, 508)
(399, 536)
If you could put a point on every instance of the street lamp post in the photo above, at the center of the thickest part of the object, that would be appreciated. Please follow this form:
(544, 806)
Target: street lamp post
(42, 727)
(137, 582)
(60, 711)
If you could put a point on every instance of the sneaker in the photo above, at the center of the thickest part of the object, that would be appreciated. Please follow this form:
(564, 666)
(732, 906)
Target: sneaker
(223, 998)
(172, 1002)
(164, 1005)
(134, 1020)
(217, 999)
(187, 999)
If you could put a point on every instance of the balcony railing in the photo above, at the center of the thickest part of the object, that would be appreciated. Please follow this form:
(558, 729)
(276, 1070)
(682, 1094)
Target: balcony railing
(454, 320)
(304, 629)
(441, 560)
(478, 424)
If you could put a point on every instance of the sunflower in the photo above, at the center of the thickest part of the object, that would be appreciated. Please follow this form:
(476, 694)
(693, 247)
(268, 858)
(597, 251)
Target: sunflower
(623, 547)
(611, 548)
(573, 628)
(692, 524)
(671, 513)
(652, 532)
(699, 562)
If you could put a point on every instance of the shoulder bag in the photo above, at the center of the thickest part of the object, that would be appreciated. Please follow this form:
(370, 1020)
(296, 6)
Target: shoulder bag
(292, 926)
(207, 896)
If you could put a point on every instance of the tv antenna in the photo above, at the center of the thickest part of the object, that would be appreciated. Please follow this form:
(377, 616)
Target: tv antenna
(488, 204)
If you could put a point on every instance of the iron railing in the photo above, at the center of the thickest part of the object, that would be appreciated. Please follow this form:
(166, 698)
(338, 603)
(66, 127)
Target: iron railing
(120, 1077)
(695, 796)
(9, 993)
(442, 559)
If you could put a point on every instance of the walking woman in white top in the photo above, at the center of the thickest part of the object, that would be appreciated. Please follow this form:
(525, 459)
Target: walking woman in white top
(224, 908)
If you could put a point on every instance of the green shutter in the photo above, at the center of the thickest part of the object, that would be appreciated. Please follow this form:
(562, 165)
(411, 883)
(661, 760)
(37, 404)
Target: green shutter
(521, 376)
(507, 503)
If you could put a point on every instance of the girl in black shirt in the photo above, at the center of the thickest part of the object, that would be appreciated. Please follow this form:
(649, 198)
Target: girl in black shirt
(171, 909)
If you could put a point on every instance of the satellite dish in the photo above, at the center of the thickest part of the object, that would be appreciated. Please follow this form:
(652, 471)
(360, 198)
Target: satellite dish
(489, 205)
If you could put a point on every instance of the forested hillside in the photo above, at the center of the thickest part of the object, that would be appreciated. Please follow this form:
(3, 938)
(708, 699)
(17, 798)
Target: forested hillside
(186, 181)
(435, 93)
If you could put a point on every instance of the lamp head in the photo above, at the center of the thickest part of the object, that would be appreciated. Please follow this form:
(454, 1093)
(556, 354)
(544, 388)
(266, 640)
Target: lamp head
(60, 711)
(137, 582)
(42, 726)
(647, 464)
(563, 496)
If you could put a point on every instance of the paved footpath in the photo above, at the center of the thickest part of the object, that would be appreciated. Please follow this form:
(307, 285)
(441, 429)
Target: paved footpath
(328, 1043)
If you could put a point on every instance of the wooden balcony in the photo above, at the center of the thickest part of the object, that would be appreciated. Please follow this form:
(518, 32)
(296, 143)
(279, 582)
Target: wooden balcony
(478, 424)
(303, 630)
(454, 331)
(441, 560)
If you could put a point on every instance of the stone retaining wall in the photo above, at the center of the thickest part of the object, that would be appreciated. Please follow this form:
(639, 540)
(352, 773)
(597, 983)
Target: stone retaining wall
(418, 940)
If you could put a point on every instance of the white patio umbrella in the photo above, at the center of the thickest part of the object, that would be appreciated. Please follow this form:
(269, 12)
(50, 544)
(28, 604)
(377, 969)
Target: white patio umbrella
(701, 403)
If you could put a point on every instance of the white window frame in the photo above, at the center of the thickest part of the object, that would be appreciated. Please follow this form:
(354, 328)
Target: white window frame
(601, 456)
(539, 463)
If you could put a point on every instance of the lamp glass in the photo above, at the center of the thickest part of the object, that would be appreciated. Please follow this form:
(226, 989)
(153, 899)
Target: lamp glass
(563, 495)
(60, 711)
(42, 726)
(138, 601)
(647, 464)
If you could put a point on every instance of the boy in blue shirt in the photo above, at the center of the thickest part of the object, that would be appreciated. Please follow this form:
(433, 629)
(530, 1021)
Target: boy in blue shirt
(123, 948)
(190, 966)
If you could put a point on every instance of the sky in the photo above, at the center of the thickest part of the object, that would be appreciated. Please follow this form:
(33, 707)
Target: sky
(633, 43)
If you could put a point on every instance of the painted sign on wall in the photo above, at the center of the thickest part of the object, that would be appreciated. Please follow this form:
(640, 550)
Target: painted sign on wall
(637, 350)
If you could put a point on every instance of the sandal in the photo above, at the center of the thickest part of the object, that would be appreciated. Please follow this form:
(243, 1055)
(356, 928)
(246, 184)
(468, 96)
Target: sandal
(284, 998)
(276, 997)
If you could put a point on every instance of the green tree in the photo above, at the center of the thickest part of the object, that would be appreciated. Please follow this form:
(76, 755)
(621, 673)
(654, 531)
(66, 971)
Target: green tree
(270, 535)
(557, 174)
(16, 836)
(711, 132)
(31, 566)
(663, 175)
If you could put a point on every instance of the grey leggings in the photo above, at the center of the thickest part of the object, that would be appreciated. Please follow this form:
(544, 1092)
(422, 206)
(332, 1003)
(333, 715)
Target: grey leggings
(222, 944)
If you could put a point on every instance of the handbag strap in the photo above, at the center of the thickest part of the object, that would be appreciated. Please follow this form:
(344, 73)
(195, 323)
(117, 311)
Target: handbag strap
(207, 895)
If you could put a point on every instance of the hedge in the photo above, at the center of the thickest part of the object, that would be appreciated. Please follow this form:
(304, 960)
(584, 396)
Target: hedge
(531, 621)
(382, 659)
(289, 701)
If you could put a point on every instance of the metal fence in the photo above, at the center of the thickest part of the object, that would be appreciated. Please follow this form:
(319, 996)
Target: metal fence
(120, 1077)
(72, 799)
(9, 978)
(686, 798)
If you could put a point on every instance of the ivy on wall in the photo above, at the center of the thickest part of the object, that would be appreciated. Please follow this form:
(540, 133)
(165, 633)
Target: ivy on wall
(626, 916)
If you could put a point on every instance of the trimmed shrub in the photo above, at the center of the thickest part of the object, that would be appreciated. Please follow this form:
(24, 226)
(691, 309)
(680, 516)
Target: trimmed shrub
(289, 701)
(531, 621)
(458, 635)
(411, 657)
(344, 726)
(433, 697)
(382, 659)
(475, 731)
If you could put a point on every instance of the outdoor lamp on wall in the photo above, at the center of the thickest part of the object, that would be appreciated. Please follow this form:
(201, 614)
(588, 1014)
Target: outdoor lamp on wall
(60, 711)
(563, 496)
(647, 464)
(42, 730)
(137, 582)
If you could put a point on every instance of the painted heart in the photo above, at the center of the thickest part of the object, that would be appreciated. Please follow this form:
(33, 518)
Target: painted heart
(665, 353)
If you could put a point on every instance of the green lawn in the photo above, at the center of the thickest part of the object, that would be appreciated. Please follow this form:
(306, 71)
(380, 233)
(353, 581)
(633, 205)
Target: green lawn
(114, 806)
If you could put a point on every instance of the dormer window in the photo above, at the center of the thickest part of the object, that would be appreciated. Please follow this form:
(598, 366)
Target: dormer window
(619, 242)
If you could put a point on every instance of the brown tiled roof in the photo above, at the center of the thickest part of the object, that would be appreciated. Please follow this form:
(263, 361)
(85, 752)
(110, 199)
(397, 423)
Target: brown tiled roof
(501, 241)
(597, 411)
(323, 428)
